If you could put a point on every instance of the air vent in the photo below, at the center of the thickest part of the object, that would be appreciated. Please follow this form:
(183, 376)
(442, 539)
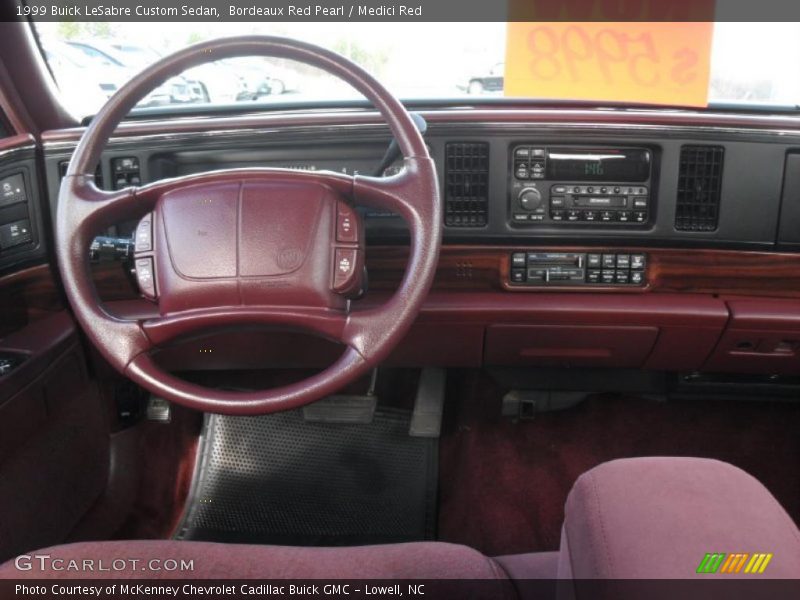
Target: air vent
(699, 185)
(98, 174)
(466, 184)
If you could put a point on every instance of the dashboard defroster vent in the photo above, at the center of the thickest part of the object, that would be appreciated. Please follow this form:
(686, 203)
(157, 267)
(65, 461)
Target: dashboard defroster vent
(466, 196)
(699, 187)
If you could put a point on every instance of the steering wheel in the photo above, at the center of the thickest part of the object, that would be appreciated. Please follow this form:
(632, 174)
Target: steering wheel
(256, 246)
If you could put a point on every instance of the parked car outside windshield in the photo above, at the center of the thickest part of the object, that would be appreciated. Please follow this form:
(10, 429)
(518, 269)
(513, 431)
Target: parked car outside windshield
(472, 65)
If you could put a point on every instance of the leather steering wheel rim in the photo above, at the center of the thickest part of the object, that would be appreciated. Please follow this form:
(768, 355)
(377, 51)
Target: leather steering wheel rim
(369, 335)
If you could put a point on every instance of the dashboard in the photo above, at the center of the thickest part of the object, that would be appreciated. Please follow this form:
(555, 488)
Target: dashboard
(650, 239)
(511, 182)
(559, 183)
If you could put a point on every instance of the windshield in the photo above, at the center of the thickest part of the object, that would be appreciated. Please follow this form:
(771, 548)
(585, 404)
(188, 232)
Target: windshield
(89, 61)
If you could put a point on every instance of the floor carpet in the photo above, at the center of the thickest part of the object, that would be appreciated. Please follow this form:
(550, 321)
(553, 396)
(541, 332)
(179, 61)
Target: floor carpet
(503, 485)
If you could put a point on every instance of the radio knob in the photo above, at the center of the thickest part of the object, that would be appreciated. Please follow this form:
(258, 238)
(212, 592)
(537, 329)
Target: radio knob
(530, 198)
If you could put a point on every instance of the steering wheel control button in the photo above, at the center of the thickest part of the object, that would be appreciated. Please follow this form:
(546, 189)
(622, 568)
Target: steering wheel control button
(572, 269)
(346, 224)
(145, 277)
(144, 234)
(345, 269)
(16, 233)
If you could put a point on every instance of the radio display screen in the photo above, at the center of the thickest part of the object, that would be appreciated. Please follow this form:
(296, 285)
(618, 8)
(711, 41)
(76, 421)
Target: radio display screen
(598, 164)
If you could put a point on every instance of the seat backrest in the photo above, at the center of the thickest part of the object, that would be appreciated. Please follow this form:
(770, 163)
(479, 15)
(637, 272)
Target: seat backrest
(667, 518)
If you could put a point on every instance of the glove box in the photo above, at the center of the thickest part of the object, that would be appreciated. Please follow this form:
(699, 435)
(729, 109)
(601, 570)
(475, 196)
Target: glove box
(569, 345)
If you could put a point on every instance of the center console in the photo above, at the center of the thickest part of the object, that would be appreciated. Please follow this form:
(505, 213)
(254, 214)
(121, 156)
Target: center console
(555, 185)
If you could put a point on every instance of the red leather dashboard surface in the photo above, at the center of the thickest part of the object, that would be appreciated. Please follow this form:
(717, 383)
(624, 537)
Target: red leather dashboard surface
(568, 345)
(698, 326)
(687, 325)
(657, 331)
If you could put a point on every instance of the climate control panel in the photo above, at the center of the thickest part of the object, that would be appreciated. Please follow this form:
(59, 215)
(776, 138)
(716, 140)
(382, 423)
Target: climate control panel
(607, 268)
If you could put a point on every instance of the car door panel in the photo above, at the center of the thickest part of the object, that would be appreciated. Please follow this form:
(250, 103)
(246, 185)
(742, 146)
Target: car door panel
(54, 426)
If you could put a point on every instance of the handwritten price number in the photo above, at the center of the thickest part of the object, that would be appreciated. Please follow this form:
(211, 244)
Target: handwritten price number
(551, 54)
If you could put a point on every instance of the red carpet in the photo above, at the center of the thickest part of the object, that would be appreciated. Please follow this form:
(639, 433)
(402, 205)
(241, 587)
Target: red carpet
(503, 485)
(168, 454)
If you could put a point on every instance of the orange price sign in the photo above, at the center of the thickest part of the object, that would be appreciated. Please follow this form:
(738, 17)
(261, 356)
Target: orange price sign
(651, 62)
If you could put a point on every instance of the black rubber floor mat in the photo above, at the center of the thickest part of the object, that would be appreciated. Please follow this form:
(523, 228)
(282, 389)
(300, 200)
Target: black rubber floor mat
(278, 479)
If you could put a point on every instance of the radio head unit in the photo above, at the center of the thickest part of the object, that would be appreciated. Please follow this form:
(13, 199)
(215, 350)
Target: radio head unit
(579, 185)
